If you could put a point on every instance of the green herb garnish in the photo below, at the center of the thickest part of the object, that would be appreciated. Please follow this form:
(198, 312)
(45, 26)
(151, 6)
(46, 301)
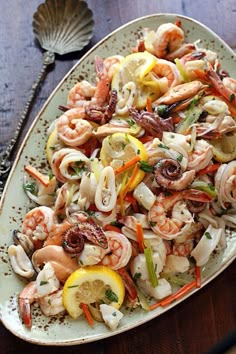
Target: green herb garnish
(146, 167)
(110, 295)
(30, 187)
(208, 235)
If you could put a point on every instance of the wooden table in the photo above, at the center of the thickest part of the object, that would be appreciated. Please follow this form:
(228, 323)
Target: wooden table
(202, 320)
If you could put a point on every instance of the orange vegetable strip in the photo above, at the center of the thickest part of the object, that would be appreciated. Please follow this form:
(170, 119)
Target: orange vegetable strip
(209, 169)
(130, 181)
(139, 233)
(111, 228)
(33, 172)
(149, 105)
(181, 292)
(127, 165)
(87, 314)
(198, 276)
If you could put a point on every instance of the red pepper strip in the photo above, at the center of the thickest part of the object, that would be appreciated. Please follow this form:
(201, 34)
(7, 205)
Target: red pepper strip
(177, 119)
(129, 198)
(87, 314)
(209, 169)
(109, 227)
(181, 292)
(198, 276)
(140, 238)
(146, 139)
(128, 283)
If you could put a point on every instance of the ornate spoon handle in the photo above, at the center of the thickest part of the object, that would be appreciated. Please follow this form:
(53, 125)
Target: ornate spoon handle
(5, 163)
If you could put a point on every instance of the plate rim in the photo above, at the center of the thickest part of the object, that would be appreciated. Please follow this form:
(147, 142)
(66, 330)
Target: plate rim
(19, 153)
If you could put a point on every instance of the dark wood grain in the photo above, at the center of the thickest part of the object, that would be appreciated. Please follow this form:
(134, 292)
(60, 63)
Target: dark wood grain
(202, 320)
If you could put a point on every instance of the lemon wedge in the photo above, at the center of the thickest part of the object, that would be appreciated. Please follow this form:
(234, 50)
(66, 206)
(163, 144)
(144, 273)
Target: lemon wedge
(119, 148)
(137, 68)
(224, 149)
(53, 144)
(92, 284)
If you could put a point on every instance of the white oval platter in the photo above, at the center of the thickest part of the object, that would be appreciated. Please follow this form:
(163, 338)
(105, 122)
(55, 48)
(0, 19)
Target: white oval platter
(62, 330)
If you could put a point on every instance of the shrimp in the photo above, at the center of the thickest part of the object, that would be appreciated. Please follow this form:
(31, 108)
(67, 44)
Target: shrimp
(167, 73)
(84, 94)
(168, 38)
(80, 94)
(111, 64)
(120, 251)
(26, 297)
(103, 86)
(61, 261)
(52, 304)
(170, 228)
(38, 223)
(201, 155)
(180, 92)
(73, 130)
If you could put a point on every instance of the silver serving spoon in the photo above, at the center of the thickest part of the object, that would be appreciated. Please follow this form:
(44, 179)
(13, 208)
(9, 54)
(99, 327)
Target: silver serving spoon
(61, 26)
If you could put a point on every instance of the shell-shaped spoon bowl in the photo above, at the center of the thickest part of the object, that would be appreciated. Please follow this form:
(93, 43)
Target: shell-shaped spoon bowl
(63, 26)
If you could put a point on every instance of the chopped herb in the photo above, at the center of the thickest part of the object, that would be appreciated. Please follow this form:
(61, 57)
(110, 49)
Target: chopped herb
(50, 175)
(90, 212)
(110, 295)
(43, 282)
(172, 136)
(52, 147)
(138, 152)
(116, 223)
(123, 145)
(137, 276)
(180, 158)
(81, 262)
(79, 167)
(145, 166)
(130, 122)
(232, 97)
(114, 314)
(49, 302)
(152, 223)
(163, 146)
(208, 235)
(211, 187)
(72, 286)
(30, 187)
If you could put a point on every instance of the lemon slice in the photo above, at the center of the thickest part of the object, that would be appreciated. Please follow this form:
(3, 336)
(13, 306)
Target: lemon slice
(92, 284)
(224, 149)
(137, 68)
(119, 148)
(53, 144)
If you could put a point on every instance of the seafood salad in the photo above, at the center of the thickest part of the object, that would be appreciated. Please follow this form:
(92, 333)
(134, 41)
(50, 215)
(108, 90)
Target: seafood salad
(140, 187)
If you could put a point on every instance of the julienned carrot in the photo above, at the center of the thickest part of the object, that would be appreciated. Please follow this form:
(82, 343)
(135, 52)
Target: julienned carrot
(127, 165)
(198, 276)
(181, 292)
(87, 314)
(209, 169)
(139, 233)
(109, 227)
(149, 105)
(130, 181)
